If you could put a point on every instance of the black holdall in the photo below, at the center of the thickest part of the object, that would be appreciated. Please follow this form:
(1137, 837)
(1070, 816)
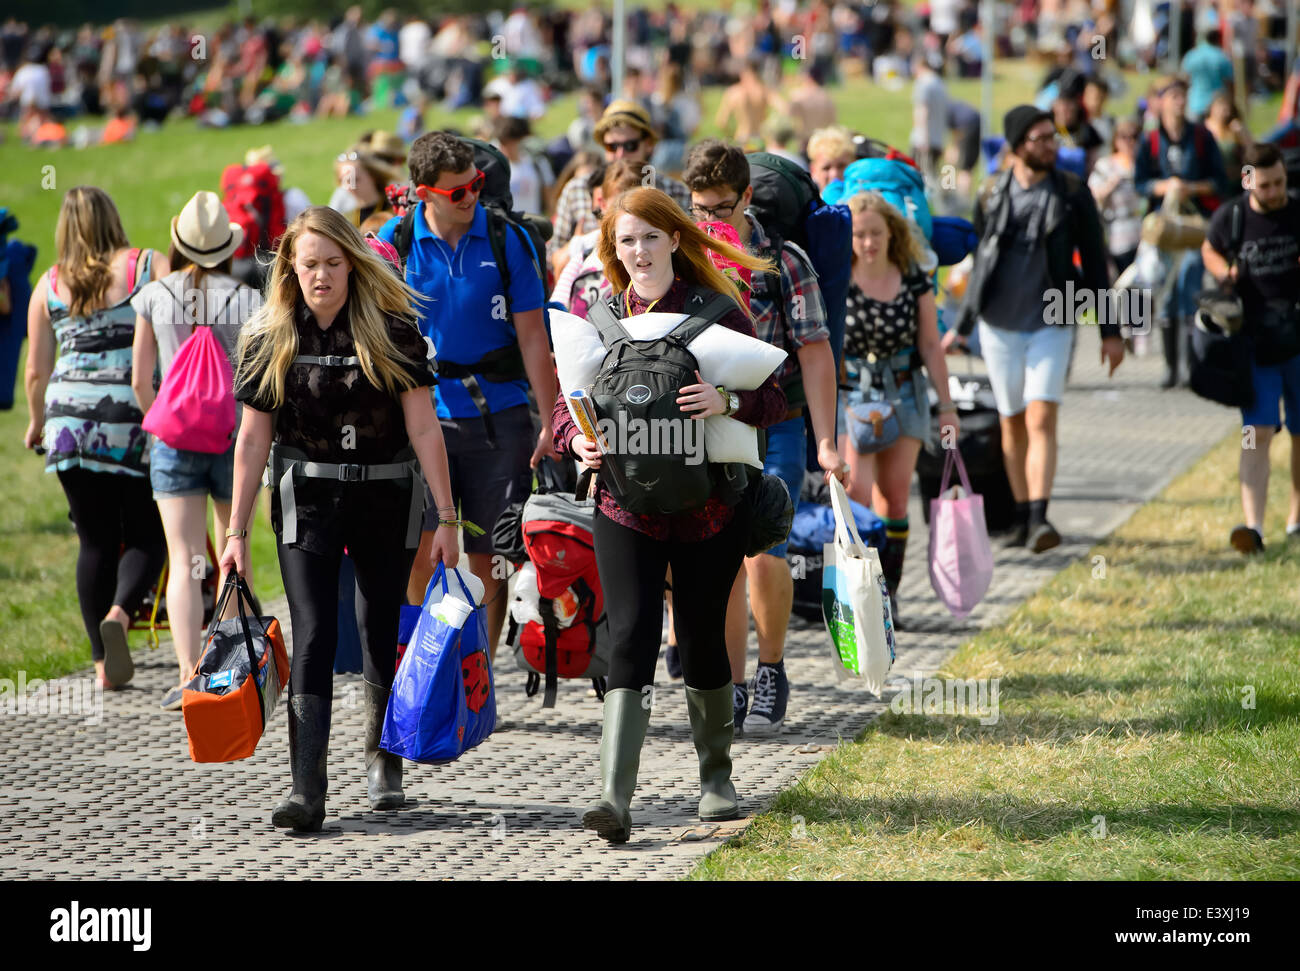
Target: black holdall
(772, 513)
(1220, 358)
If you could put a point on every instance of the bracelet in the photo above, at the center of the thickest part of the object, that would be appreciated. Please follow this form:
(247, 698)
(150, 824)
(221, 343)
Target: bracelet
(236, 533)
(946, 406)
(471, 528)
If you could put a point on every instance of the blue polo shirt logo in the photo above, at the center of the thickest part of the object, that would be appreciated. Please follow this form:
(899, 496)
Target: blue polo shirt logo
(461, 289)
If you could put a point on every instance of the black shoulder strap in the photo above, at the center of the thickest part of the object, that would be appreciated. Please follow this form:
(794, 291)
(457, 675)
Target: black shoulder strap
(705, 308)
(1237, 228)
(607, 324)
(404, 233)
(551, 633)
(497, 223)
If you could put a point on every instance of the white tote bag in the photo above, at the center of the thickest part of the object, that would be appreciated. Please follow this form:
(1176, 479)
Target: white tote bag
(855, 601)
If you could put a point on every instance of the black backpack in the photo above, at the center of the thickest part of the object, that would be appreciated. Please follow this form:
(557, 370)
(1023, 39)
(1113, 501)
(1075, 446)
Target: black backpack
(505, 363)
(636, 389)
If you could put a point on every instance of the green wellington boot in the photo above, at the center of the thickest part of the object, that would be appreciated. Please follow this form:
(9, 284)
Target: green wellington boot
(383, 769)
(309, 735)
(626, 721)
(712, 728)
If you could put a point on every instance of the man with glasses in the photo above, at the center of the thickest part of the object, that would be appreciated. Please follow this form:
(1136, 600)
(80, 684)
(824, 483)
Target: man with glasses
(789, 313)
(491, 442)
(625, 132)
(1031, 225)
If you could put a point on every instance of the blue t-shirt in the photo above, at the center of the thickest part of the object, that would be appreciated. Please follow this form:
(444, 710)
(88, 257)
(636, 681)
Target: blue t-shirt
(1209, 70)
(385, 43)
(464, 307)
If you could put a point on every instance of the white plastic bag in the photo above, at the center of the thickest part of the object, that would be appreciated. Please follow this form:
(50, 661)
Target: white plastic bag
(855, 601)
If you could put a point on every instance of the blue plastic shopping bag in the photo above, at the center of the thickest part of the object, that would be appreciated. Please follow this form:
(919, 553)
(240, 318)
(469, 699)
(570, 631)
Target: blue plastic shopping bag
(442, 703)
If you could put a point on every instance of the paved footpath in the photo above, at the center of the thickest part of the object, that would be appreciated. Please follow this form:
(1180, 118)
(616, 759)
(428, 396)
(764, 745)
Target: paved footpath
(121, 798)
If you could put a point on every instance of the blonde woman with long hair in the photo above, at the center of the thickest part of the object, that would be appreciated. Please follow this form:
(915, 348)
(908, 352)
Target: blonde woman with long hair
(335, 382)
(891, 330)
(80, 325)
(657, 260)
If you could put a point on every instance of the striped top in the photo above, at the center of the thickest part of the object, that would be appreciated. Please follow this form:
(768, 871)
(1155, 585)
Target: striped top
(92, 420)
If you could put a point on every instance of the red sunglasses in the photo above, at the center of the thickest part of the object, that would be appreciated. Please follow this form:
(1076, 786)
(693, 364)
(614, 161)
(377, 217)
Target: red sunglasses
(474, 185)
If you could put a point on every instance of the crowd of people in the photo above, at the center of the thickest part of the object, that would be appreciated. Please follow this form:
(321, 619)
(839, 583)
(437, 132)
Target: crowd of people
(394, 368)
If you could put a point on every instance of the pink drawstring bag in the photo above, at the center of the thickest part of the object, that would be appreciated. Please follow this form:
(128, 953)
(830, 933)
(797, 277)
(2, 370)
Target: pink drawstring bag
(961, 557)
(195, 407)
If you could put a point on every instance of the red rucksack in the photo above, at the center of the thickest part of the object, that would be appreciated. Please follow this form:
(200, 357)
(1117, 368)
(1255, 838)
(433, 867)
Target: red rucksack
(252, 197)
(557, 617)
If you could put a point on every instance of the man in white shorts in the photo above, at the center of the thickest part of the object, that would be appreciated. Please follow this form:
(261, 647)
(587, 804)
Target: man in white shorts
(1031, 223)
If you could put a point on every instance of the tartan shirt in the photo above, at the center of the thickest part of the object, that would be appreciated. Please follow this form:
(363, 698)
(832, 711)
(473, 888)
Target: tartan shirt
(573, 215)
(798, 279)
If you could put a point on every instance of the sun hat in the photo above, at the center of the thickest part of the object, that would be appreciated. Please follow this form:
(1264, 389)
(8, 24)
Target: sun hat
(203, 230)
(386, 145)
(623, 112)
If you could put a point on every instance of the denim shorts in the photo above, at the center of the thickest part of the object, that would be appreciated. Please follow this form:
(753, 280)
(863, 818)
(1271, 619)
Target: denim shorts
(787, 456)
(175, 472)
(1273, 385)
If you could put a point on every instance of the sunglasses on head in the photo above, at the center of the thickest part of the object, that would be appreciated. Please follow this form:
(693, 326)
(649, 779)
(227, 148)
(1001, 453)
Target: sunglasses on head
(631, 145)
(474, 185)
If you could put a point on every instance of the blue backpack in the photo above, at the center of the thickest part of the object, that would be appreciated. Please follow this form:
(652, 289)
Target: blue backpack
(903, 185)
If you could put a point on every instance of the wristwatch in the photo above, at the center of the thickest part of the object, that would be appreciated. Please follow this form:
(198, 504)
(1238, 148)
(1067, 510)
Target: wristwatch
(731, 399)
(236, 533)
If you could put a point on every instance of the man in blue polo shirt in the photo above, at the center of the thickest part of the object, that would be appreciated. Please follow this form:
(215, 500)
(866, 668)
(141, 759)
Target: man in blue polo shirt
(487, 355)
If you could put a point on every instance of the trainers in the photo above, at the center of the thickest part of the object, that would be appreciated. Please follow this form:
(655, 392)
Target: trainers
(739, 706)
(1246, 540)
(172, 699)
(771, 691)
(1044, 537)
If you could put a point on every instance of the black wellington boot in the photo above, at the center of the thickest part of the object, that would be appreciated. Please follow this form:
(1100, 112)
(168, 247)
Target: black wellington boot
(309, 734)
(383, 769)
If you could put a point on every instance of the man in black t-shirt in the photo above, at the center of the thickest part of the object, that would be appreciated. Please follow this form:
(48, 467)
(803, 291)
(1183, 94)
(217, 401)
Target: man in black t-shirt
(1264, 262)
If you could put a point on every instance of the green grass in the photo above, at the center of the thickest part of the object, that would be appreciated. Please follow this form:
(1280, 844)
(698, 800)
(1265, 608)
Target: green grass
(1123, 698)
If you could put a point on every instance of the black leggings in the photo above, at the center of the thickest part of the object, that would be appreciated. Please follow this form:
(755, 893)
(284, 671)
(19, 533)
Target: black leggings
(122, 546)
(632, 568)
(311, 583)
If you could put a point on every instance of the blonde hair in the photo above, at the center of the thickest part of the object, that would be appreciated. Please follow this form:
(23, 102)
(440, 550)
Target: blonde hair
(691, 260)
(835, 141)
(88, 233)
(903, 250)
(269, 342)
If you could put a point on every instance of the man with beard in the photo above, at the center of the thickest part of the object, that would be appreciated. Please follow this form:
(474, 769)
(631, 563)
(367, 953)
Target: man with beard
(1031, 224)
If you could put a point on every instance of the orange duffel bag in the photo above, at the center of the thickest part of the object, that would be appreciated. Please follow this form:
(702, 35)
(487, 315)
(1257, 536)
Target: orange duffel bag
(241, 672)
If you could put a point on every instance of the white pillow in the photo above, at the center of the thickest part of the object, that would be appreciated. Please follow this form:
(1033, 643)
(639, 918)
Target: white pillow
(726, 357)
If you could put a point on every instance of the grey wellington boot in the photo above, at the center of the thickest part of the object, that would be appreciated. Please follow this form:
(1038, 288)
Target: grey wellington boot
(383, 769)
(712, 728)
(626, 721)
(309, 735)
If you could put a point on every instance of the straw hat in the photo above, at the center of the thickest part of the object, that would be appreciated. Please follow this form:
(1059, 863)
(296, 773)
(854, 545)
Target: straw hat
(203, 231)
(386, 145)
(623, 112)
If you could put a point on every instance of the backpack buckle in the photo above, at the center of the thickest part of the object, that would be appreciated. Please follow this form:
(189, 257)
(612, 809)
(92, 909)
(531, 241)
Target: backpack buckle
(352, 473)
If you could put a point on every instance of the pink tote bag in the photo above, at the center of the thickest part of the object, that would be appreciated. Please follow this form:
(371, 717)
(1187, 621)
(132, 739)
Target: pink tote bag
(195, 407)
(961, 557)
